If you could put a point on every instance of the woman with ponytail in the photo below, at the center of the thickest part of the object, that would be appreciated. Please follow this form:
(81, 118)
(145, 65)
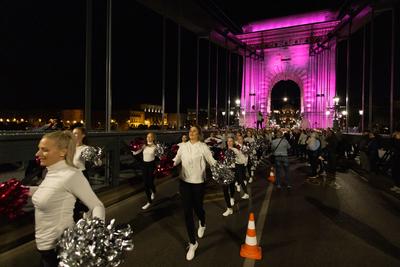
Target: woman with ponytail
(55, 197)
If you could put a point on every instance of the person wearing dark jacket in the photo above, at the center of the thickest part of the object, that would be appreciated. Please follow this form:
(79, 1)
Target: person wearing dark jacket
(331, 149)
(396, 162)
(373, 147)
(363, 147)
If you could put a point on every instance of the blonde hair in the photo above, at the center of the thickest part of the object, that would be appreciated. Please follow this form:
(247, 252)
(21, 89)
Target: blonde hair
(64, 140)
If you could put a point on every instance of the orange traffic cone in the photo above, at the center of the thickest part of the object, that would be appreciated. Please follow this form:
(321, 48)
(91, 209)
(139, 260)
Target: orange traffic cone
(271, 177)
(250, 249)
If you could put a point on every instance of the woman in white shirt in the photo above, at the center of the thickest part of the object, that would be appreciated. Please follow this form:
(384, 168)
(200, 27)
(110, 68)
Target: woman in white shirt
(80, 139)
(55, 197)
(149, 166)
(250, 139)
(229, 190)
(193, 155)
(184, 139)
(240, 168)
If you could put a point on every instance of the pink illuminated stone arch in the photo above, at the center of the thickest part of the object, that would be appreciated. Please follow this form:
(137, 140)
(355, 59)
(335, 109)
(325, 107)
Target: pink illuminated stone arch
(298, 76)
(287, 47)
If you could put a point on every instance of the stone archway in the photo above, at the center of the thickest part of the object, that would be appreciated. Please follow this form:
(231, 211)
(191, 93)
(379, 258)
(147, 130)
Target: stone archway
(288, 89)
(291, 53)
(290, 73)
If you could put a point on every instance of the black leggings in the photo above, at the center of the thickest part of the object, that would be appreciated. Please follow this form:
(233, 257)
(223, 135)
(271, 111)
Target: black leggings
(148, 178)
(192, 196)
(249, 165)
(229, 191)
(49, 258)
(240, 174)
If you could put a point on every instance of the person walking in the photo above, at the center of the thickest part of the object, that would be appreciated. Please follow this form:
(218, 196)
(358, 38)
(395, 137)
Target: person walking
(193, 156)
(55, 197)
(260, 120)
(148, 168)
(280, 147)
(80, 139)
(331, 149)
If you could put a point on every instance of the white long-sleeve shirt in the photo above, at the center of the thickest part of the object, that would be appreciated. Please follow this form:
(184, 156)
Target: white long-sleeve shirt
(193, 158)
(54, 201)
(78, 161)
(148, 153)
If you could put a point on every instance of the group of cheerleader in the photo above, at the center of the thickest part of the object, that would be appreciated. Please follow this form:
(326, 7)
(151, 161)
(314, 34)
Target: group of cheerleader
(193, 156)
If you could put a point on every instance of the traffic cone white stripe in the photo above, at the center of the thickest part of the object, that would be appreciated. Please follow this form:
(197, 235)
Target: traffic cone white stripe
(252, 225)
(250, 249)
(251, 241)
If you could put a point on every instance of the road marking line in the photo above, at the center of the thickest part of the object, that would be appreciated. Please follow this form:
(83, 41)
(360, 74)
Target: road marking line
(362, 177)
(261, 222)
(213, 199)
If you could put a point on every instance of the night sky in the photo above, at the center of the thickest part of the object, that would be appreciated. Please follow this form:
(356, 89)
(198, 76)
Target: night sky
(42, 56)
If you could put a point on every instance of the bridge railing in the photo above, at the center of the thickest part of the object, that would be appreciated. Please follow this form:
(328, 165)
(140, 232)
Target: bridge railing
(17, 152)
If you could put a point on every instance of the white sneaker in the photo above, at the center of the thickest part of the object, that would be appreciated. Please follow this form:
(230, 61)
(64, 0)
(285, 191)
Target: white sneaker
(237, 188)
(228, 212)
(152, 196)
(250, 180)
(200, 231)
(191, 251)
(245, 196)
(146, 206)
(232, 201)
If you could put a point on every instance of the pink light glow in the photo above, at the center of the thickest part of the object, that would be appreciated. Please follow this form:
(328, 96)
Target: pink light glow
(315, 75)
(295, 20)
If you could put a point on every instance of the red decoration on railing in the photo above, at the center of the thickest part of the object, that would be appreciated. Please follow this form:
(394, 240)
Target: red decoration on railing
(13, 197)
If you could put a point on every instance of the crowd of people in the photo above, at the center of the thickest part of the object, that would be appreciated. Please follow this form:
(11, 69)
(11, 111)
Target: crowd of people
(65, 194)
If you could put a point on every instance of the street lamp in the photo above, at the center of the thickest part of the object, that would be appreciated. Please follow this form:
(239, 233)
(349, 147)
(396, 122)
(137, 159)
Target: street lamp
(285, 99)
(223, 113)
(336, 100)
(231, 113)
(361, 126)
(237, 102)
(336, 110)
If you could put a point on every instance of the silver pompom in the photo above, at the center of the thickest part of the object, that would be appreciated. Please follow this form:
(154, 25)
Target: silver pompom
(93, 155)
(161, 150)
(222, 174)
(92, 243)
(245, 149)
(230, 157)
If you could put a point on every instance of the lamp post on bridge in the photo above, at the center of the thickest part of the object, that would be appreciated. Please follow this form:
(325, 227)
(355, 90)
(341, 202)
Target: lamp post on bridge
(237, 111)
(336, 113)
